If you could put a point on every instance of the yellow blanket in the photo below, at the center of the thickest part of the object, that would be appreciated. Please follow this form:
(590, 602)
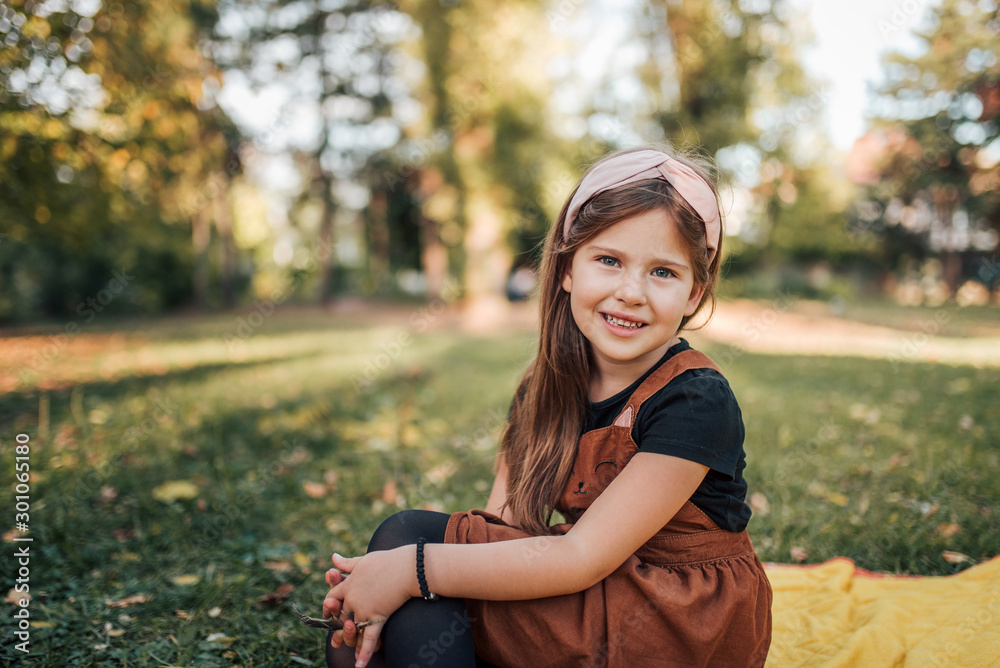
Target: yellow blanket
(834, 615)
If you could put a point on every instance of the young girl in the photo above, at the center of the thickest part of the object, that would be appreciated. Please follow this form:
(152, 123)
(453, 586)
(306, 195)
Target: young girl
(634, 437)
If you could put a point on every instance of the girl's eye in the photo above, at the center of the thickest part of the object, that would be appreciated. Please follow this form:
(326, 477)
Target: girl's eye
(608, 261)
(662, 273)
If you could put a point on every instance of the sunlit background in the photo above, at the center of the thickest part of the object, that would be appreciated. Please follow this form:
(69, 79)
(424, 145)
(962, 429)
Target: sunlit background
(218, 150)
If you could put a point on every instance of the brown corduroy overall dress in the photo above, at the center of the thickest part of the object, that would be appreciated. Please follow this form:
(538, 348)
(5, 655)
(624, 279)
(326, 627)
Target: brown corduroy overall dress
(693, 595)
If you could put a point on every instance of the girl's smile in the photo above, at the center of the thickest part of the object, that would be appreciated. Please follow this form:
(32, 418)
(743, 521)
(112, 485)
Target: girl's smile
(629, 287)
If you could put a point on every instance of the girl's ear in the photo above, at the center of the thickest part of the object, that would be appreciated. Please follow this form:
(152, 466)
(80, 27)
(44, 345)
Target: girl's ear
(697, 292)
(567, 282)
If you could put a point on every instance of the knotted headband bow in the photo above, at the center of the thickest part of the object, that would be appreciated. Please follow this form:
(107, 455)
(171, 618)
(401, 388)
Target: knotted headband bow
(650, 164)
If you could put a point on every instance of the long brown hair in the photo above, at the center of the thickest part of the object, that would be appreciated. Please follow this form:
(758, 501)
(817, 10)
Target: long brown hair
(539, 443)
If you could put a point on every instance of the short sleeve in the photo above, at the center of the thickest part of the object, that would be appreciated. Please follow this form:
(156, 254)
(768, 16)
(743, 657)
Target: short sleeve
(695, 417)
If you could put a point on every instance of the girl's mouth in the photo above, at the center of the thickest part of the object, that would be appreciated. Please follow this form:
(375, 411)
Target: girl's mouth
(619, 322)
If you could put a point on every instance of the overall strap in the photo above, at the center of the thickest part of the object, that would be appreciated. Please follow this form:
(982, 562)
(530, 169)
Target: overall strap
(673, 367)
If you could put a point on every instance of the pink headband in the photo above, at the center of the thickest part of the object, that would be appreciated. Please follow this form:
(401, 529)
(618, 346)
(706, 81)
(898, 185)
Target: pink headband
(650, 164)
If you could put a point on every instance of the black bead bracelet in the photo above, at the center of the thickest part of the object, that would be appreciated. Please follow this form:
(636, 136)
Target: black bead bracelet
(421, 578)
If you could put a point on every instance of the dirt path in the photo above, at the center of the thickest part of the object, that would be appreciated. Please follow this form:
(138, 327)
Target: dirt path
(785, 328)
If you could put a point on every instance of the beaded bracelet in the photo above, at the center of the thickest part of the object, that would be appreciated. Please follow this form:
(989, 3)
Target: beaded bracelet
(421, 579)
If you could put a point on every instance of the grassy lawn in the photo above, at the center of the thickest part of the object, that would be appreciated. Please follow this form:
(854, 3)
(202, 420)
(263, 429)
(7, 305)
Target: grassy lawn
(299, 439)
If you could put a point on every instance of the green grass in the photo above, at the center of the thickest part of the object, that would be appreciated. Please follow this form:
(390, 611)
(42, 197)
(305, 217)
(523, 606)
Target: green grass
(884, 462)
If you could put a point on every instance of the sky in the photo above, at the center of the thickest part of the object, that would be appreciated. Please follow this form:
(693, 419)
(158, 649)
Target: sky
(849, 37)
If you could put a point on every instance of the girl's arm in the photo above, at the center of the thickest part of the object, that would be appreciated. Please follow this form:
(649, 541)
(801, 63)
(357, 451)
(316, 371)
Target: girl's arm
(637, 504)
(498, 495)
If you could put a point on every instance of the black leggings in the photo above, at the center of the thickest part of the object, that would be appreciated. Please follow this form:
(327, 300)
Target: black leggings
(421, 633)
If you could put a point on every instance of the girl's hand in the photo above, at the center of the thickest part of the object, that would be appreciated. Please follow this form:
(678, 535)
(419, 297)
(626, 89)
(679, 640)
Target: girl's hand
(379, 583)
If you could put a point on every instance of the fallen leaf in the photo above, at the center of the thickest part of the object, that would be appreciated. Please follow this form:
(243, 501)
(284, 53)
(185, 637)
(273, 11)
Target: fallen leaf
(42, 625)
(128, 600)
(175, 490)
(14, 597)
(799, 554)
(182, 614)
(955, 557)
(301, 560)
(220, 637)
(279, 566)
(314, 490)
(948, 530)
(278, 596)
(185, 580)
(214, 612)
(330, 478)
(9, 536)
(123, 534)
(108, 493)
(837, 499)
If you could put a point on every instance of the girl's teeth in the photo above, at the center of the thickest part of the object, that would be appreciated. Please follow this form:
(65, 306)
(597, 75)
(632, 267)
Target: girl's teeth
(622, 323)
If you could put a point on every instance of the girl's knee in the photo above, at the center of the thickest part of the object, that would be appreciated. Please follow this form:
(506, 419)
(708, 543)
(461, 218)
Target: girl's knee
(407, 527)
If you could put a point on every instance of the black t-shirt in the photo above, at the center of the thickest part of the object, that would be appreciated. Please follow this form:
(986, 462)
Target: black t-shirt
(694, 417)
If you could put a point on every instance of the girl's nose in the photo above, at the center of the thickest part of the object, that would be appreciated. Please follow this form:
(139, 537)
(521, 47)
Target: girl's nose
(631, 290)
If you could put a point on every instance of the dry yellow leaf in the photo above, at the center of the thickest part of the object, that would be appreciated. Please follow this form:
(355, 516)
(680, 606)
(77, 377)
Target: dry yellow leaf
(185, 580)
(837, 499)
(175, 490)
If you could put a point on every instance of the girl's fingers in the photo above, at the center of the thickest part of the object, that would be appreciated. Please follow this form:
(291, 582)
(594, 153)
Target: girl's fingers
(332, 605)
(334, 577)
(343, 563)
(369, 644)
(350, 634)
(337, 639)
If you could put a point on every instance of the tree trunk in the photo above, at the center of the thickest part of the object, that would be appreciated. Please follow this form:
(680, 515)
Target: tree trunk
(487, 264)
(326, 237)
(378, 237)
(224, 223)
(201, 233)
(433, 258)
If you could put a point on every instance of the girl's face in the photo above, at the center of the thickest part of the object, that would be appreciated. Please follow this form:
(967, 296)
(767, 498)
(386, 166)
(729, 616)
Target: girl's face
(629, 288)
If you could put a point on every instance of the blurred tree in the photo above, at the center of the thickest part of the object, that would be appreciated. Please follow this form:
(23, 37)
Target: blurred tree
(485, 137)
(333, 65)
(932, 162)
(110, 150)
(729, 79)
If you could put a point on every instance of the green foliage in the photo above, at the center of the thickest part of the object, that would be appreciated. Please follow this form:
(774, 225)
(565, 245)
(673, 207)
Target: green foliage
(112, 176)
(936, 191)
